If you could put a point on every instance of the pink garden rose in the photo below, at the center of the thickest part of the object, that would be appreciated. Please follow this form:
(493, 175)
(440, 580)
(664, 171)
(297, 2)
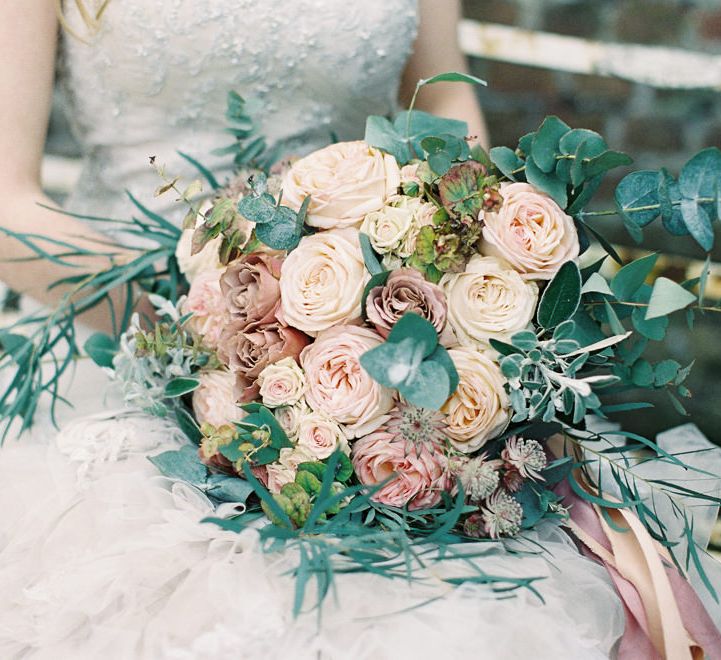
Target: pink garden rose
(344, 180)
(214, 399)
(338, 386)
(251, 288)
(406, 290)
(207, 304)
(531, 232)
(248, 350)
(417, 474)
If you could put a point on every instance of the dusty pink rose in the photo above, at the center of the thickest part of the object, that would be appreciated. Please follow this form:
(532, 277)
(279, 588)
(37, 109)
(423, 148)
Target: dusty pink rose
(418, 475)
(338, 386)
(531, 232)
(207, 304)
(247, 350)
(214, 399)
(344, 180)
(406, 290)
(251, 289)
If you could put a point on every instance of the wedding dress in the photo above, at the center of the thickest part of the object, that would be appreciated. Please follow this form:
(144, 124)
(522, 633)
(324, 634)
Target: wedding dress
(100, 556)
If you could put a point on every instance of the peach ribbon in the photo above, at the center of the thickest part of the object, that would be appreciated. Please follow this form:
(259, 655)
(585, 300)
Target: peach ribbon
(664, 617)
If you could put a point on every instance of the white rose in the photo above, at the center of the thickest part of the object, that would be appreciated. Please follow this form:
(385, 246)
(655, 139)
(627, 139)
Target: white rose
(489, 300)
(281, 383)
(345, 181)
(531, 232)
(289, 417)
(192, 265)
(478, 410)
(214, 399)
(320, 435)
(322, 281)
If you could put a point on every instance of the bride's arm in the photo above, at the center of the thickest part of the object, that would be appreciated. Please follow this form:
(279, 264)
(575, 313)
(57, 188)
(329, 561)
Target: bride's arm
(436, 51)
(28, 39)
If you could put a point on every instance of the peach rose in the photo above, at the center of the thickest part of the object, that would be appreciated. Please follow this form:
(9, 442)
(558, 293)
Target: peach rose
(248, 350)
(478, 410)
(489, 300)
(337, 384)
(251, 289)
(206, 302)
(531, 232)
(322, 281)
(284, 471)
(281, 383)
(214, 399)
(345, 181)
(417, 475)
(320, 435)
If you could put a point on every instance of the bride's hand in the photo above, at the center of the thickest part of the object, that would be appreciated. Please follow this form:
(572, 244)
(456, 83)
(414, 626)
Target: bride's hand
(28, 40)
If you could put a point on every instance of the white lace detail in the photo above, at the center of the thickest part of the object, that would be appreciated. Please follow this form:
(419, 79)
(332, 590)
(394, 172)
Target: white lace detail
(155, 78)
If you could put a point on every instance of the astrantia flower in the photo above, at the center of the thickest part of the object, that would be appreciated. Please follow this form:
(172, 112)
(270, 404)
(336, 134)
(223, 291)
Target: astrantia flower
(417, 426)
(479, 477)
(502, 515)
(526, 456)
(512, 480)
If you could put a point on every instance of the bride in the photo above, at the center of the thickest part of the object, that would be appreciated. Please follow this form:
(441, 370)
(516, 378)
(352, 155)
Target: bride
(99, 555)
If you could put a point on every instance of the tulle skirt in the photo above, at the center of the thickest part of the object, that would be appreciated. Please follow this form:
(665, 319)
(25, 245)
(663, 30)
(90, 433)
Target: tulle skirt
(100, 557)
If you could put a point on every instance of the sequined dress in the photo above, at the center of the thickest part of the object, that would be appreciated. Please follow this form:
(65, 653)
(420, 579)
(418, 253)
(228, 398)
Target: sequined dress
(105, 558)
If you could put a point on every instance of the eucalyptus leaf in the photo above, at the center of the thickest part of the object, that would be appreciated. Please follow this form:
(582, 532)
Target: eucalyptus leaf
(182, 464)
(697, 222)
(667, 297)
(545, 144)
(373, 265)
(548, 183)
(637, 197)
(629, 279)
(506, 161)
(596, 283)
(102, 349)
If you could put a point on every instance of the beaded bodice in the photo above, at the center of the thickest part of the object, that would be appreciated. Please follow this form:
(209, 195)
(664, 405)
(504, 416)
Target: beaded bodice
(154, 79)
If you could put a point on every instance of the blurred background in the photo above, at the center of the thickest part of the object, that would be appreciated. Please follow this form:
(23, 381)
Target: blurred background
(646, 74)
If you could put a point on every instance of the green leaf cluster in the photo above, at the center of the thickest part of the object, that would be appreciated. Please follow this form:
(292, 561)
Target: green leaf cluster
(413, 362)
(567, 164)
(279, 227)
(687, 205)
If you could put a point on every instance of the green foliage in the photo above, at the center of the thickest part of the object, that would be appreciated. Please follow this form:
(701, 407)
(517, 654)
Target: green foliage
(667, 297)
(181, 386)
(412, 361)
(101, 348)
(279, 227)
(403, 137)
(687, 206)
(372, 263)
(561, 297)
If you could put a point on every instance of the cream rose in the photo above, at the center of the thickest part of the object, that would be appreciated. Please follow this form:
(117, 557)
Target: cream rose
(489, 300)
(531, 232)
(289, 417)
(281, 383)
(479, 408)
(394, 228)
(345, 182)
(214, 399)
(322, 281)
(337, 384)
(320, 435)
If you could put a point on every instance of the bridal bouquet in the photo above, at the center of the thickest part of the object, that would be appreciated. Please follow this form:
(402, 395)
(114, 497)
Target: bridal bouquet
(393, 344)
